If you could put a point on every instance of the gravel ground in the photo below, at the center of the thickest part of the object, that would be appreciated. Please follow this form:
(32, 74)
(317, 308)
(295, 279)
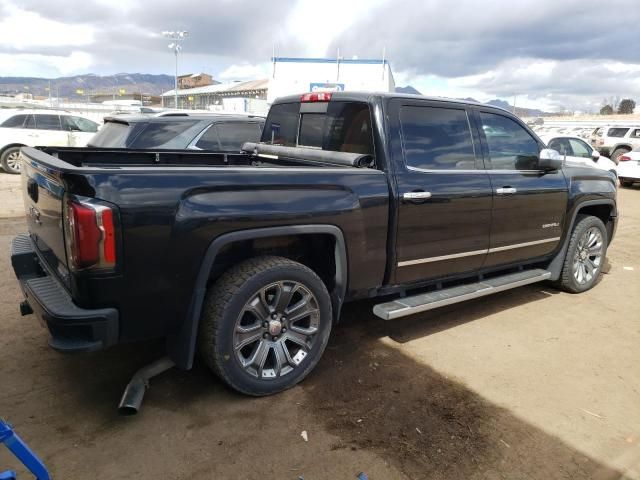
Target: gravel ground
(528, 384)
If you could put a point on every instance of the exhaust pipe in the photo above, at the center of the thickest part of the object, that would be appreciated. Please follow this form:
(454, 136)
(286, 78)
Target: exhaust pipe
(135, 390)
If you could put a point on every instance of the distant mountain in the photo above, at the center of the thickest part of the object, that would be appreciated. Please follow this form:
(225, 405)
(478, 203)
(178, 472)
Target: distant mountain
(408, 89)
(520, 111)
(90, 84)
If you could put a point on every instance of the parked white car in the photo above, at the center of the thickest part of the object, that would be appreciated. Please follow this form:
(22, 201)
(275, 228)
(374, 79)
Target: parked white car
(31, 128)
(615, 141)
(579, 152)
(629, 167)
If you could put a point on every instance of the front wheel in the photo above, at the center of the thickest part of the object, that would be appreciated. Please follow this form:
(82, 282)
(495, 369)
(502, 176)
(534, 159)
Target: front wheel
(585, 255)
(265, 325)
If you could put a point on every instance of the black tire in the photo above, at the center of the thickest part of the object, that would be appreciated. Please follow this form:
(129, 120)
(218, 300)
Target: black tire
(223, 314)
(625, 183)
(7, 162)
(617, 152)
(568, 281)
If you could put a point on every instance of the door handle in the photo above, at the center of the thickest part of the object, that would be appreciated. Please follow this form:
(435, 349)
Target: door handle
(506, 191)
(416, 196)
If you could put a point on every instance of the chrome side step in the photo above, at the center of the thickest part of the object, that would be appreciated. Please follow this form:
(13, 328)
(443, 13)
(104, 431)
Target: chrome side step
(428, 301)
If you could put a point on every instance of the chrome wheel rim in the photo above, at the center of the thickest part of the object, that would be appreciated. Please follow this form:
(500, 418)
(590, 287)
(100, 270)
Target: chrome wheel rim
(13, 160)
(276, 330)
(588, 256)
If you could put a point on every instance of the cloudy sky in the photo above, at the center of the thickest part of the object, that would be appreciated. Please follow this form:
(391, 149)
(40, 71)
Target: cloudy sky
(551, 54)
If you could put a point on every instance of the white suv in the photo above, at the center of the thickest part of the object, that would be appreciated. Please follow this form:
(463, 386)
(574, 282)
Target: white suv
(19, 128)
(615, 141)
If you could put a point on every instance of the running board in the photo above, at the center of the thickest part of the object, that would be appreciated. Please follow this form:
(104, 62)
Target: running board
(428, 301)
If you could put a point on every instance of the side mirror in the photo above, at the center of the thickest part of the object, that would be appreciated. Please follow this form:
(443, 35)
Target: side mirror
(550, 159)
(595, 155)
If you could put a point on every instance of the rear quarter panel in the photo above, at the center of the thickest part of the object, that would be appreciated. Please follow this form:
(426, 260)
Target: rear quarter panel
(170, 217)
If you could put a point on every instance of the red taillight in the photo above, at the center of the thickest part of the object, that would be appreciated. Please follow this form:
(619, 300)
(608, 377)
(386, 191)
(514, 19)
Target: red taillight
(90, 235)
(624, 158)
(316, 97)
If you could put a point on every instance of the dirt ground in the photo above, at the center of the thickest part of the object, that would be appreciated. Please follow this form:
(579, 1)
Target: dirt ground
(527, 384)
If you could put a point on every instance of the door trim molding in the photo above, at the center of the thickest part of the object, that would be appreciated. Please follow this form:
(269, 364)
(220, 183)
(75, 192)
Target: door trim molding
(418, 261)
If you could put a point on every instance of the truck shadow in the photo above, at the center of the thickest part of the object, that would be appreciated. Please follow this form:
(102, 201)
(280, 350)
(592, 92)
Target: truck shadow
(372, 396)
(365, 392)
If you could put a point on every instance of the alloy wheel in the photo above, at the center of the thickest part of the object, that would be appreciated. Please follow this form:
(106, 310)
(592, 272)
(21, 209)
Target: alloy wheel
(588, 256)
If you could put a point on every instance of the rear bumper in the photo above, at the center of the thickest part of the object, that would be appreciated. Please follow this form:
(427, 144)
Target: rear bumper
(73, 329)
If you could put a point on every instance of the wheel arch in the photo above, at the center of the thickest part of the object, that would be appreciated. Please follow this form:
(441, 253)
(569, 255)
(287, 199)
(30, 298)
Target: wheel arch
(604, 209)
(10, 145)
(182, 346)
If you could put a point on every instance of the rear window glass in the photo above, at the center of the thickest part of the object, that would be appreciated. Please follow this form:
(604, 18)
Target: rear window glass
(345, 127)
(111, 135)
(157, 134)
(233, 135)
(48, 122)
(17, 121)
(618, 132)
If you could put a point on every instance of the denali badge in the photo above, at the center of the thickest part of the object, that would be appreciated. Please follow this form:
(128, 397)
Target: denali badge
(550, 225)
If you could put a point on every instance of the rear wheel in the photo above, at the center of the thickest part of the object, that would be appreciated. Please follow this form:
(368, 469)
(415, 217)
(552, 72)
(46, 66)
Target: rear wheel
(625, 182)
(619, 151)
(265, 325)
(585, 255)
(11, 160)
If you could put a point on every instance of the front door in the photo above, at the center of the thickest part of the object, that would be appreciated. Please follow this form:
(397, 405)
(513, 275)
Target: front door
(529, 204)
(444, 204)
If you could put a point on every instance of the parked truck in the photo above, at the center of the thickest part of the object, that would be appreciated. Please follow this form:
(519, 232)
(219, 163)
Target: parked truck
(248, 258)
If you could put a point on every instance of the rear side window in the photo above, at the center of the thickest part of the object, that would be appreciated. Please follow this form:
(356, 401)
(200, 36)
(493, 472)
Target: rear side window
(344, 127)
(209, 139)
(511, 147)
(233, 135)
(436, 138)
(157, 134)
(17, 121)
(111, 135)
(618, 132)
(48, 122)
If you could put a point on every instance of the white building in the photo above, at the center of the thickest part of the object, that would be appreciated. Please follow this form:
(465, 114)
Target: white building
(301, 75)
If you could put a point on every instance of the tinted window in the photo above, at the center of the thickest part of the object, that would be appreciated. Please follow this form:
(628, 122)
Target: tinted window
(436, 138)
(209, 139)
(282, 124)
(48, 122)
(618, 132)
(30, 122)
(345, 127)
(635, 133)
(112, 135)
(17, 121)
(510, 145)
(234, 135)
(157, 134)
(78, 124)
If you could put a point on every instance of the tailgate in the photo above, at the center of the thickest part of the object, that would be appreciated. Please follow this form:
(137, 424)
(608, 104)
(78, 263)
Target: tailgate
(42, 193)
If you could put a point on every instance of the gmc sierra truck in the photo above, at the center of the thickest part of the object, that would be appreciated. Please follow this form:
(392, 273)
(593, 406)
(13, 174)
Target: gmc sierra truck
(248, 258)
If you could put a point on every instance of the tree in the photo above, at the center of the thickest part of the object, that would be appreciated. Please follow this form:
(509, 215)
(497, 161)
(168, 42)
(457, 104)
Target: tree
(606, 110)
(626, 106)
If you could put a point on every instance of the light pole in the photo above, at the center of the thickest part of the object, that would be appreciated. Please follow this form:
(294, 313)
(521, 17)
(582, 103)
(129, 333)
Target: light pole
(177, 37)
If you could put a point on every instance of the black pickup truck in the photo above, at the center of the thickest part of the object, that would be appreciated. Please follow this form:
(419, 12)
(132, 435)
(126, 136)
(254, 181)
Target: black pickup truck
(249, 257)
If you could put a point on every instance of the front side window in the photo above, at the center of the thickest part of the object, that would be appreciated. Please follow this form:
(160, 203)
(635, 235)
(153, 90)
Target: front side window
(635, 133)
(618, 132)
(562, 146)
(48, 122)
(579, 148)
(78, 124)
(511, 147)
(435, 138)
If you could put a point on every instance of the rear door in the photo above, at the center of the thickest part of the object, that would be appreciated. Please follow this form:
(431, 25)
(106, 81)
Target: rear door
(529, 204)
(444, 205)
(49, 132)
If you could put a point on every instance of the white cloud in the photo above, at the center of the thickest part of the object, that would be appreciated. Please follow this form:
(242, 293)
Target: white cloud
(75, 62)
(245, 71)
(23, 30)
